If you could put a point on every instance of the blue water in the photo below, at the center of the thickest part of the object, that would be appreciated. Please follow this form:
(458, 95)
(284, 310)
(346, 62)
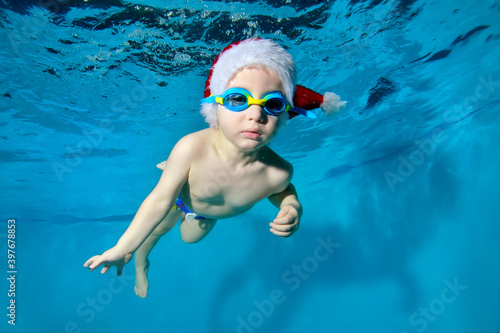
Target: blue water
(400, 191)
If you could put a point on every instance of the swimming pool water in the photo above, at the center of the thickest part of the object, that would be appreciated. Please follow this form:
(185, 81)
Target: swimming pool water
(400, 190)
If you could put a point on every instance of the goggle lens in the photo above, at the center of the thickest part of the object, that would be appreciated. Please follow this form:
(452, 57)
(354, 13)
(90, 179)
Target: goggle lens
(275, 105)
(236, 101)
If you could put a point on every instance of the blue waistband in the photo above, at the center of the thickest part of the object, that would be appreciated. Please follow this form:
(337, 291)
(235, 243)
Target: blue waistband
(189, 213)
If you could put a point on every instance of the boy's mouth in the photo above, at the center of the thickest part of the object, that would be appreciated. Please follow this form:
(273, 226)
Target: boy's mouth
(252, 133)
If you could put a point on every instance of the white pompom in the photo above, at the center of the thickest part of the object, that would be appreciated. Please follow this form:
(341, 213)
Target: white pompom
(331, 103)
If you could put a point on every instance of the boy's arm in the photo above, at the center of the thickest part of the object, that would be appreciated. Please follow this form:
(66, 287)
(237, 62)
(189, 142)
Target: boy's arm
(288, 219)
(152, 211)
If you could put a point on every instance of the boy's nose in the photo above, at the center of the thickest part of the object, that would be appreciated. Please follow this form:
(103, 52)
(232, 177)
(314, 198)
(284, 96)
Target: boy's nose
(256, 113)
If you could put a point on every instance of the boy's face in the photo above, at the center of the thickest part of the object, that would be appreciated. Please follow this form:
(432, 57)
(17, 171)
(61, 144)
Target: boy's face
(252, 128)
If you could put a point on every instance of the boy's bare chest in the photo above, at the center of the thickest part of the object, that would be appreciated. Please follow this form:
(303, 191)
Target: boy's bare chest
(239, 188)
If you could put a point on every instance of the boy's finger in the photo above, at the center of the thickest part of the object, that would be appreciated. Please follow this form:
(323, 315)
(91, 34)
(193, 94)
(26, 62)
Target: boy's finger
(104, 269)
(280, 233)
(282, 213)
(96, 263)
(90, 261)
(282, 227)
(283, 220)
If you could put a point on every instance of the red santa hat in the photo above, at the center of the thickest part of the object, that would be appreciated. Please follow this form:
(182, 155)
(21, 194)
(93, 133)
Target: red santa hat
(263, 53)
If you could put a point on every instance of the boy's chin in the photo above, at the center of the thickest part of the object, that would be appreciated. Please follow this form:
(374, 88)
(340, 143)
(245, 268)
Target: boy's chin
(252, 146)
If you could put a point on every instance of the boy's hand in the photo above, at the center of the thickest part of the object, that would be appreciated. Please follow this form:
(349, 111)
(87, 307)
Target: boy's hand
(286, 223)
(112, 257)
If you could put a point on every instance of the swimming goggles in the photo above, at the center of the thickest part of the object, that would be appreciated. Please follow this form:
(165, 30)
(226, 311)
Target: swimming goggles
(239, 99)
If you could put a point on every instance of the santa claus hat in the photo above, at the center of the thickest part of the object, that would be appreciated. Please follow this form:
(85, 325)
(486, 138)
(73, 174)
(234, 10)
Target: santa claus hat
(267, 54)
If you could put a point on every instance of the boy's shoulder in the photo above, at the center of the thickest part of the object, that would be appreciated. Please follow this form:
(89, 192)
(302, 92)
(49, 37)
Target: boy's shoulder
(197, 136)
(189, 147)
(194, 141)
(274, 160)
(279, 170)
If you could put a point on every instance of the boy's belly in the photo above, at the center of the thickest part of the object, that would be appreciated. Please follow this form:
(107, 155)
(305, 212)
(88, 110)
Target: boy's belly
(219, 212)
(220, 206)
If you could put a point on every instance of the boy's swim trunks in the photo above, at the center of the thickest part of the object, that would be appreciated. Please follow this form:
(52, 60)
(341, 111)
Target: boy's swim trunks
(190, 215)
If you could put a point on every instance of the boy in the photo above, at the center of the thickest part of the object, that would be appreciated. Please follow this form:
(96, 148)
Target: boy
(222, 171)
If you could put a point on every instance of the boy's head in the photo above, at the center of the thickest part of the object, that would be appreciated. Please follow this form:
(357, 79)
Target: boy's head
(263, 54)
(253, 52)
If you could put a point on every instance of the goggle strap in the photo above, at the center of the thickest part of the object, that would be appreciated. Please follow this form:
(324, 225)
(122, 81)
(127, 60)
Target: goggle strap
(304, 112)
(209, 99)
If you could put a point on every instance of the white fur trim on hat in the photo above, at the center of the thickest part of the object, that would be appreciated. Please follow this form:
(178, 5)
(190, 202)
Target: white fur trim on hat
(332, 103)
